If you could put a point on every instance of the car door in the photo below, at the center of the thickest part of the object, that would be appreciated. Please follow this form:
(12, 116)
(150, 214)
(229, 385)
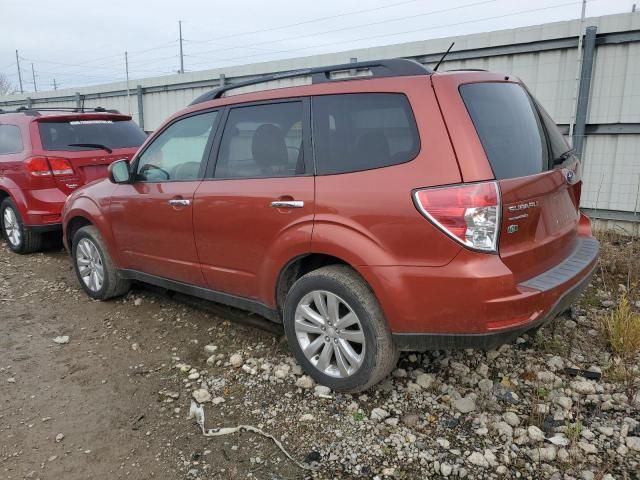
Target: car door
(152, 217)
(255, 210)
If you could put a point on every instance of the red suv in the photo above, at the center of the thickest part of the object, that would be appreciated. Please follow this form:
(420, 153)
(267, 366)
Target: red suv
(47, 154)
(373, 208)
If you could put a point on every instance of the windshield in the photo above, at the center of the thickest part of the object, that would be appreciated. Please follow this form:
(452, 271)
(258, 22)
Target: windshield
(510, 128)
(110, 133)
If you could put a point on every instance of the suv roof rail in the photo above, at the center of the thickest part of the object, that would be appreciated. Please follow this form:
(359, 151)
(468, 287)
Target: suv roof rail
(35, 111)
(394, 67)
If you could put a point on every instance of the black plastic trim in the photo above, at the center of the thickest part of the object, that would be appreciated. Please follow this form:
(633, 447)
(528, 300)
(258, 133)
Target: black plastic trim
(486, 341)
(213, 295)
(53, 227)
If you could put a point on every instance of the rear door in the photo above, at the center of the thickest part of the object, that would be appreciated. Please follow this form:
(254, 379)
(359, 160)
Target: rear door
(152, 218)
(255, 211)
(538, 179)
(73, 145)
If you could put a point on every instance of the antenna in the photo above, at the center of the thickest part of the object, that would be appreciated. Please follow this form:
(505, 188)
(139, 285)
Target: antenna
(435, 69)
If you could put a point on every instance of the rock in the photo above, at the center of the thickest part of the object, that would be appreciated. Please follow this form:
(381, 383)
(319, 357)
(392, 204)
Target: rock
(413, 387)
(555, 363)
(193, 376)
(559, 440)
(410, 420)
(321, 391)
(511, 418)
(379, 414)
(476, 458)
(446, 469)
(210, 349)
(307, 417)
(11, 380)
(485, 385)
(465, 404)
(236, 360)
(137, 302)
(201, 395)
(606, 431)
(282, 371)
(583, 387)
(443, 442)
(483, 370)
(212, 360)
(503, 429)
(607, 303)
(633, 443)
(249, 369)
(588, 447)
(425, 380)
(61, 340)
(217, 400)
(587, 475)
(399, 373)
(546, 377)
(388, 472)
(544, 454)
(564, 402)
(490, 457)
(59, 437)
(535, 433)
(305, 382)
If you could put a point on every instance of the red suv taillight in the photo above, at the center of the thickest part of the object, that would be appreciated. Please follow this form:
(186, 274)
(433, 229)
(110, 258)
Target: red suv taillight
(47, 166)
(470, 214)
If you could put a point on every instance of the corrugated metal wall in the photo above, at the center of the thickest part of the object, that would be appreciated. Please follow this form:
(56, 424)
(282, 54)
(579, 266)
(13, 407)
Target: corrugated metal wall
(544, 56)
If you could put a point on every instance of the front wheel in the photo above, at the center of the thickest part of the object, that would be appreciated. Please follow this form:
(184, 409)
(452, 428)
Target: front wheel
(94, 268)
(20, 238)
(337, 330)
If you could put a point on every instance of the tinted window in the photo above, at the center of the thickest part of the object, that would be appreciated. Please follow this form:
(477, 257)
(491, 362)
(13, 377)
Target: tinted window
(177, 153)
(262, 141)
(111, 133)
(509, 128)
(556, 140)
(10, 139)
(362, 131)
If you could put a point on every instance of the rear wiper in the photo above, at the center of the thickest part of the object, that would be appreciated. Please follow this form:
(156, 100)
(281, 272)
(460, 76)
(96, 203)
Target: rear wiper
(91, 145)
(562, 157)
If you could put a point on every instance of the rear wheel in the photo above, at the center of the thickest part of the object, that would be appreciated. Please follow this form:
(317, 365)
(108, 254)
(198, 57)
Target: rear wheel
(94, 268)
(337, 331)
(20, 238)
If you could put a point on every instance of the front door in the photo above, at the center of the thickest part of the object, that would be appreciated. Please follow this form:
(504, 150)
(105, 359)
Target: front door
(152, 218)
(255, 212)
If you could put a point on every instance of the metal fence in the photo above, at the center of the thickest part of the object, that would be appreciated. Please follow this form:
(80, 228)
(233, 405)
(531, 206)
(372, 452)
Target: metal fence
(606, 112)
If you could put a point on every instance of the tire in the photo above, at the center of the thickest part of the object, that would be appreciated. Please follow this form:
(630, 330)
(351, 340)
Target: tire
(88, 251)
(19, 238)
(377, 354)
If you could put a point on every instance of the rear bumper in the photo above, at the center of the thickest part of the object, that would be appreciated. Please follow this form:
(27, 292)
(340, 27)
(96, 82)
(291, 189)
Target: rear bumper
(43, 207)
(493, 339)
(475, 301)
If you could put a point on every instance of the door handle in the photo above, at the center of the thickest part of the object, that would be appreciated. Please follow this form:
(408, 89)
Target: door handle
(287, 204)
(179, 202)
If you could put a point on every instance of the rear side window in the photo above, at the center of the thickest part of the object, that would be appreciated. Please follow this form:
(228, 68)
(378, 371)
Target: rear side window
(262, 141)
(70, 135)
(361, 131)
(509, 128)
(10, 140)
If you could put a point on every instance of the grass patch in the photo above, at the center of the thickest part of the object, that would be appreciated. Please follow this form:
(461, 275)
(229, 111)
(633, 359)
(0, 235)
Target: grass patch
(621, 329)
(573, 431)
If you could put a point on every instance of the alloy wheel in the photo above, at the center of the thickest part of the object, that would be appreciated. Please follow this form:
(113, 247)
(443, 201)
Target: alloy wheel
(329, 333)
(12, 227)
(90, 265)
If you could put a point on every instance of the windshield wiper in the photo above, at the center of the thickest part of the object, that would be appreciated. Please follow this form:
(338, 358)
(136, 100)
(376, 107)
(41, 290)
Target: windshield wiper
(562, 157)
(91, 145)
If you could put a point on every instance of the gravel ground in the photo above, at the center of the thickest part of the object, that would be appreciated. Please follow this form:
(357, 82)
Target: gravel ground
(103, 390)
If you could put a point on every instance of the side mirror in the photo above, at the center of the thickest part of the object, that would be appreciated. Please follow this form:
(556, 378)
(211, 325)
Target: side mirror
(119, 172)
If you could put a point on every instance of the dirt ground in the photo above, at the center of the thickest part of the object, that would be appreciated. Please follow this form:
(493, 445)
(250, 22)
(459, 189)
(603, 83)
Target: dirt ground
(101, 389)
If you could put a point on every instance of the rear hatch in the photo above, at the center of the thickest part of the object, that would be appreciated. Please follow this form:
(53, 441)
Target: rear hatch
(80, 147)
(538, 177)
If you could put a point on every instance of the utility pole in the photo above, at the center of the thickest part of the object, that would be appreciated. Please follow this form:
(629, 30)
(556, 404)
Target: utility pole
(578, 68)
(126, 68)
(33, 74)
(55, 85)
(19, 73)
(181, 55)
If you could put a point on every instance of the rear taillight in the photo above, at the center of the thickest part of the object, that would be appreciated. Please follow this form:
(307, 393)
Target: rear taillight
(38, 167)
(47, 166)
(470, 214)
(60, 166)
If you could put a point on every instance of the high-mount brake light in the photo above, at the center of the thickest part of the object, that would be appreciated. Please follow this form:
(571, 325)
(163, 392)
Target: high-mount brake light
(469, 213)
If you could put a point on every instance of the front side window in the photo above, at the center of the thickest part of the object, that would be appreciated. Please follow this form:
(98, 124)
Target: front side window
(178, 152)
(89, 134)
(10, 140)
(361, 131)
(262, 141)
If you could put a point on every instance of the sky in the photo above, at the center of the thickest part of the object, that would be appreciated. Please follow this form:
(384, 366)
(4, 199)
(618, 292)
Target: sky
(82, 42)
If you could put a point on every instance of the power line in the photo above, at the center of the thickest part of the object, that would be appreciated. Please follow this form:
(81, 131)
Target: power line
(370, 37)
